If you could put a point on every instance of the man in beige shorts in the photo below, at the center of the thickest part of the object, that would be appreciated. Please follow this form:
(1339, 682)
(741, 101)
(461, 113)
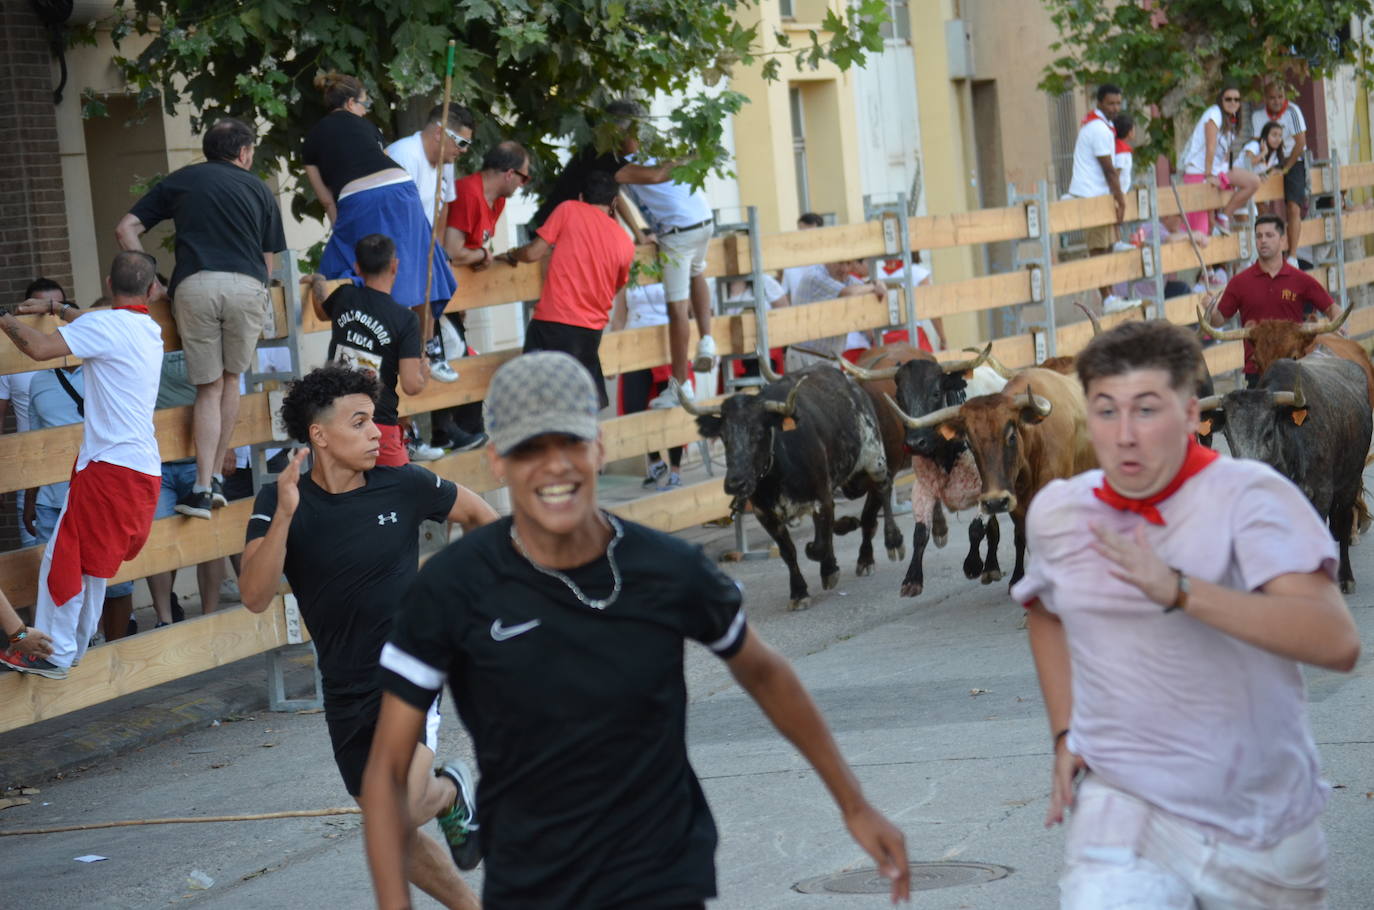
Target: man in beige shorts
(228, 226)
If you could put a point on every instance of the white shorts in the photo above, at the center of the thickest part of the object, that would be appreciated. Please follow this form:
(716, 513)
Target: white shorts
(683, 255)
(1124, 854)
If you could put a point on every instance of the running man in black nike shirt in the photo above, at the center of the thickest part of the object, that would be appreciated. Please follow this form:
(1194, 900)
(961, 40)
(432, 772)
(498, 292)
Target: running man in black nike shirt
(346, 535)
(560, 632)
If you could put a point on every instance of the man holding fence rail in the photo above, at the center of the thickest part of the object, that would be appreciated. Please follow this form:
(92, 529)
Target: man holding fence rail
(114, 487)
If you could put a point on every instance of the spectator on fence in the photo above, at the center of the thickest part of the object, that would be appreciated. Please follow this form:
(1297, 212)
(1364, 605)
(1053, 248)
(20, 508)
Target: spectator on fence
(228, 228)
(790, 276)
(1264, 153)
(1094, 170)
(21, 639)
(1208, 158)
(420, 154)
(365, 192)
(1124, 157)
(1293, 164)
(114, 487)
(368, 331)
(590, 261)
(14, 388)
(1269, 289)
(827, 282)
(639, 306)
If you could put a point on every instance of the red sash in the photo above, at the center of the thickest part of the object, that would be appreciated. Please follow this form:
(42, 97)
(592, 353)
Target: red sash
(1198, 457)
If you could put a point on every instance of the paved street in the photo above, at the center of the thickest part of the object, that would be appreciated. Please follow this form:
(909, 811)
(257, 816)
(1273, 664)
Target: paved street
(933, 700)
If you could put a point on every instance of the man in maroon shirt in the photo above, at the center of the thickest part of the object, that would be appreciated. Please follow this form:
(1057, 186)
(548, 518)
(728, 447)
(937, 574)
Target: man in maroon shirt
(1269, 289)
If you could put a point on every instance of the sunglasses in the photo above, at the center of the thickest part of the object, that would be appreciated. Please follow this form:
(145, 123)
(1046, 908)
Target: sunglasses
(458, 140)
(364, 103)
(1231, 98)
(524, 177)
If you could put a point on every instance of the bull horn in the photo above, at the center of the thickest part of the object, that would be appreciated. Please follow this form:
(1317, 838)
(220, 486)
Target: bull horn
(789, 407)
(996, 364)
(1294, 399)
(1092, 317)
(963, 366)
(1322, 328)
(766, 368)
(1210, 403)
(866, 375)
(1042, 406)
(929, 421)
(1220, 334)
(689, 405)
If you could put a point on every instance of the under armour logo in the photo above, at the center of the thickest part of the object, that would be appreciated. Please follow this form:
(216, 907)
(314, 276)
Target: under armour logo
(383, 519)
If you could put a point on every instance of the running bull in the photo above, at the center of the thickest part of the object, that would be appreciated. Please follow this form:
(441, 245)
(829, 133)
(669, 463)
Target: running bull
(789, 449)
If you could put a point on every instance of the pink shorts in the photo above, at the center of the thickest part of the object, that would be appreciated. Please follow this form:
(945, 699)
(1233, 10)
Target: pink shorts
(1198, 220)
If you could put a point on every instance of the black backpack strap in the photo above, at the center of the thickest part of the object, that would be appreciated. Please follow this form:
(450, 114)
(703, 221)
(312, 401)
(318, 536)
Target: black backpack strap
(71, 390)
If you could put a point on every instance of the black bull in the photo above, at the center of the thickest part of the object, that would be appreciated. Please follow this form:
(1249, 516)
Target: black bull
(790, 448)
(1311, 422)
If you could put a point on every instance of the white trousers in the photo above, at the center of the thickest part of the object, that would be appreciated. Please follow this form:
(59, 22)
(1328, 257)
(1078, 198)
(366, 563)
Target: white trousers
(72, 624)
(1124, 854)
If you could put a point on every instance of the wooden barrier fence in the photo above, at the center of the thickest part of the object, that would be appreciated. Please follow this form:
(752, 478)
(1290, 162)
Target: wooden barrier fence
(45, 456)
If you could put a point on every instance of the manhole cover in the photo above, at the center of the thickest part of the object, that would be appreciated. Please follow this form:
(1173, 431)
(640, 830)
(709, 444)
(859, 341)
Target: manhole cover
(924, 877)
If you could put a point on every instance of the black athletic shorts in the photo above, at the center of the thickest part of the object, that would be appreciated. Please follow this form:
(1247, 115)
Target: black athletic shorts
(583, 344)
(1295, 184)
(1252, 380)
(352, 722)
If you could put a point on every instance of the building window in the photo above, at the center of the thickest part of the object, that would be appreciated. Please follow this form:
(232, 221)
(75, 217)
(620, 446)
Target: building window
(799, 150)
(785, 9)
(1063, 136)
(898, 24)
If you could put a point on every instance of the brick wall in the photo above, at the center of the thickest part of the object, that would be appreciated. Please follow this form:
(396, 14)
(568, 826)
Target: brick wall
(33, 218)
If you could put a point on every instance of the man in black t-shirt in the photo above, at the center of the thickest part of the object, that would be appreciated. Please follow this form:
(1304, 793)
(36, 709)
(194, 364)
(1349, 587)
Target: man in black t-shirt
(369, 331)
(346, 535)
(228, 226)
(560, 632)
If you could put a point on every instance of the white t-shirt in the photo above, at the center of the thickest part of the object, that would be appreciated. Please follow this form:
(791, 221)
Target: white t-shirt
(670, 204)
(1290, 118)
(1096, 139)
(744, 300)
(409, 153)
(1166, 707)
(122, 354)
(1195, 155)
(646, 304)
(14, 387)
(1258, 168)
(1124, 162)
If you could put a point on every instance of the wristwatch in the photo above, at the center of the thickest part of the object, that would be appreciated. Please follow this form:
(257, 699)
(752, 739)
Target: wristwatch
(1181, 598)
(19, 636)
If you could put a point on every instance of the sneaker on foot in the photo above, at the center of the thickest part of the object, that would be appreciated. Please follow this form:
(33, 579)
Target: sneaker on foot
(196, 505)
(656, 472)
(1109, 302)
(1223, 226)
(217, 499)
(459, 823)
(38, 666)
(705, 360)
(421, 452)
(674, 480)
(178, 614)
(466, 442)
(1293, 261)
(1122, 246)
(441, 371)
(229, 590)
(669, 397)
(132, 628)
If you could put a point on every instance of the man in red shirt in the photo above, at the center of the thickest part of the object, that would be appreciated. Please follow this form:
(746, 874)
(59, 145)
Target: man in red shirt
(480, 200)
(1269, 289)
(590, 263)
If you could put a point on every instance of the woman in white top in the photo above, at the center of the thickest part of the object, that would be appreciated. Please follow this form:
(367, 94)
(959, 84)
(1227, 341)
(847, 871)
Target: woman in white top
(1265, 152)
(1207, 159)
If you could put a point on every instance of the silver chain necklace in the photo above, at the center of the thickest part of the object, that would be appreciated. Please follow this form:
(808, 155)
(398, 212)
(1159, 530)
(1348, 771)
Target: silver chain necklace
(592, 602)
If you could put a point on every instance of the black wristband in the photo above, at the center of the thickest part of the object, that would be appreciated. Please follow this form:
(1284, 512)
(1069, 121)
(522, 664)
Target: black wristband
(1058, 736)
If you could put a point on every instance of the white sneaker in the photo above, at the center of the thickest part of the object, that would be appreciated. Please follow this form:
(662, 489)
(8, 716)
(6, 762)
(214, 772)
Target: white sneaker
(1293, 261)
(1122, 246)
(229, 591)
(421, 452)
(1223, 226)
(1111, 303)
(441, 371)
(705, 360)
(668, 398)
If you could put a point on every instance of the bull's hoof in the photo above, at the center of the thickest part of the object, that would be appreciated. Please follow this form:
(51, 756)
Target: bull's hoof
(973, 568)
(863, 568)
(992, 575)
(828, 582)
(896, 554)
(912, 589)
(798, 603)
(846, 525)
(1348, 587)
(940, 539)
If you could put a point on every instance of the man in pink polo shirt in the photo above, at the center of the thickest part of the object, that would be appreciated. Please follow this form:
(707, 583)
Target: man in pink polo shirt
(1172, 596)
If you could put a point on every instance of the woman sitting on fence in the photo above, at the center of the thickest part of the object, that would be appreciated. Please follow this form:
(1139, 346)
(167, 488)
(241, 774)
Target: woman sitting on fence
(1207, 159)
(365, 192)
(1263, 155)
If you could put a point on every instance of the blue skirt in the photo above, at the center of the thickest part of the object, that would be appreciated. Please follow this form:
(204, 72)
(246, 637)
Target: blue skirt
(396, 211)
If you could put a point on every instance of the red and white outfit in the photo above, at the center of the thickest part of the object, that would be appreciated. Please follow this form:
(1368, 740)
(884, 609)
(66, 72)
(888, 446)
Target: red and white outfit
(118, 473)
(1203, 780)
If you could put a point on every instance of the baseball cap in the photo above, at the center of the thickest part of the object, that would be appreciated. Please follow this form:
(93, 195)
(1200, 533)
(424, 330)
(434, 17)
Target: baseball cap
(537, 393)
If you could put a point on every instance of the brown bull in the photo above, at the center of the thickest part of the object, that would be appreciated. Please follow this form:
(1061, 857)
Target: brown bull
(1275, 339)
(1032, 432)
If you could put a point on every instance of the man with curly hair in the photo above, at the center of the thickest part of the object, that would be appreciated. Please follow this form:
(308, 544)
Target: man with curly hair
(346, 535)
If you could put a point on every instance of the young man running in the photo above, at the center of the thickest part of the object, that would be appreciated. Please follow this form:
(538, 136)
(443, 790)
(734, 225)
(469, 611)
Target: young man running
(561, 632)
(346, 535)
(1172, 596)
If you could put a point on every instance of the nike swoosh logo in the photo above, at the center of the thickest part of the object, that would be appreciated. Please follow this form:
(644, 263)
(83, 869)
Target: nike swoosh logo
(502, 633)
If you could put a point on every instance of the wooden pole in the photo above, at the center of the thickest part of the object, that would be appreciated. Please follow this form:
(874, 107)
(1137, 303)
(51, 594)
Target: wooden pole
(426, 316)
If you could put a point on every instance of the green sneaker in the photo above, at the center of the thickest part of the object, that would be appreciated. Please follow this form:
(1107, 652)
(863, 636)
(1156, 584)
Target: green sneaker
(459, 823)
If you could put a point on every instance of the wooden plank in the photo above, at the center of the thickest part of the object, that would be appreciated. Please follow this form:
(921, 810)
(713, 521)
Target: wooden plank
(933, 232)
(1099, 271)
(824, 244)
(41, 457)
(1356, 175)
(973, 294)
(1225, 357)
(141, 662)
(676, 510)
(175, 542)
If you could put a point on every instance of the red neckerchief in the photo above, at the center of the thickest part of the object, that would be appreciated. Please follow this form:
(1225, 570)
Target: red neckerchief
(1095, 114)
(892, 265)
(1123, 146)
(1197, 458)
(1281, 110)
(136, 307)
